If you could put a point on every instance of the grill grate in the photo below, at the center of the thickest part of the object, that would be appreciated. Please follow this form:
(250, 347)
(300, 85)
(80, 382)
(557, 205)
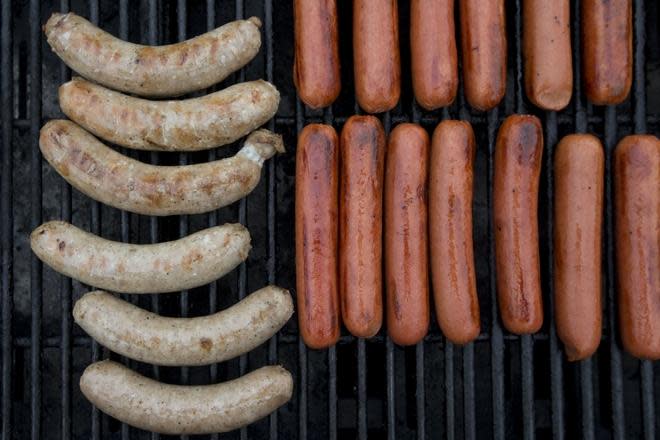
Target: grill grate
(501, 386)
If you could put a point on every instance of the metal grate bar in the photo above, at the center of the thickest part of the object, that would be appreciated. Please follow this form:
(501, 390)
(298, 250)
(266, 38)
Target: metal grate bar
(449, 390)
(497, 340)
(646, 367)
(556, 366)
(618, 426)
(35, 220)
(362, 389)
(6, 208)
(65, 293)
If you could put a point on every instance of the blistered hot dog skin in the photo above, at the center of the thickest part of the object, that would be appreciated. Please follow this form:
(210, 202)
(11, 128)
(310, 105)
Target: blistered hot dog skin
(547, 52)
(406, 244)
(433, 52)
(316, 69)
(181, 264)
(637, 204)
(158, 71)
(450, 228)
(317, 218)
(210, 121)
(154, 339)
(125, 183)
(607, 59)
(483, 44)
(518, 153)
(177, 409)
(362, 160)
(579, 180)
(376, 58)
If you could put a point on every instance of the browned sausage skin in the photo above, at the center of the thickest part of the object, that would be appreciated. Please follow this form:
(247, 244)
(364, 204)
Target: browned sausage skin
(515, 201)
(317, 169)
(578, 177)
(316, 71)
(360, 234)
(483, 44)
(376, 54)
(637, 203)
(547, 51)
(433, 52)
(607, 60)
(450, 226)
(406, 253)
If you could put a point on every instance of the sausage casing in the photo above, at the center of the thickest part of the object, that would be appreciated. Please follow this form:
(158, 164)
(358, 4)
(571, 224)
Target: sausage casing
(182, 264)
(177, 409)
(578, 178)
(316, 71)
(433, 52)
(360, 232)
(210, 121)
(547, 52)
(154, 339)
(125, 183)
(637, 203)
(607, 59)
(406, 245)
(161, 71)
(518, 154)
(450, 228)
(376, 56)
(317, 206)
(483, 43)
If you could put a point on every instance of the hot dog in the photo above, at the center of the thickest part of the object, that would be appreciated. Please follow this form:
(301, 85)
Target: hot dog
(483, 43)
(579, 176)
(450, 227)
(163, 71)
(376, 54)
(175, 409)
(317, 169)
(637, 203)
(607, 50)
(181, 264)
(316, 65)
(406, 253)
(518, 154)
(148, 337)
(433, 52)
(547, 52)
(360, 239)
(216, 119)
(117, 180)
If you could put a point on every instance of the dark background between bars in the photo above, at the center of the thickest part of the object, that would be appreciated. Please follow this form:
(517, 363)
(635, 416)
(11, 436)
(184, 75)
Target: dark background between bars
(501, 386)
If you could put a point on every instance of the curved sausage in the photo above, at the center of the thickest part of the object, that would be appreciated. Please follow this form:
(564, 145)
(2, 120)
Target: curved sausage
(161, 71)
(148, 337)
(483, 44)
(360, 232)
(376, 54)
(450, 228)
(210, 121)
(547, 52)
(579, 177)
(637, 202)
(433, 52)
(119, 181)
(515, 202)
(316, 71)
(607, 59)
(317, 206)
(181, 264)
(406, 253)
(176, 409)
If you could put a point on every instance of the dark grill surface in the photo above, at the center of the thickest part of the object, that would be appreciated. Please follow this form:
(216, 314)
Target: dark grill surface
(501, 386)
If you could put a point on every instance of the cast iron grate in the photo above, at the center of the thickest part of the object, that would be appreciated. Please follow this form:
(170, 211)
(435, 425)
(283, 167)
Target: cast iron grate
(501, 386)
